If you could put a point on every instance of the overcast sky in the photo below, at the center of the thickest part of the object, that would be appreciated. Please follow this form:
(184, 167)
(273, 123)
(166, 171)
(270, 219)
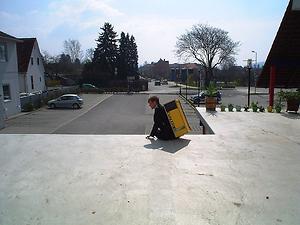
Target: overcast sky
(156, 24)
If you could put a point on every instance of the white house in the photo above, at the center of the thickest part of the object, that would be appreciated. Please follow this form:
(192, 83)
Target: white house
(9, 82)
(30, 65)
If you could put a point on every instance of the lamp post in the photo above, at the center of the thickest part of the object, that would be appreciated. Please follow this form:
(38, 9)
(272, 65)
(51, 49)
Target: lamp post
(255, 70)
(199, 83)
(180, 83)
(249, 67)
(255, 58)
(186, 86)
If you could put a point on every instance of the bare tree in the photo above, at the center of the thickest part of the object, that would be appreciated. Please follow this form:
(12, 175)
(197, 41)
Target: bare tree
(89, 55)
(208, 45)
(73, 49)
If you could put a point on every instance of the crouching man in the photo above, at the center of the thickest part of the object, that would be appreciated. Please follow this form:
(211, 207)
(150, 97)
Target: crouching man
(161, 128)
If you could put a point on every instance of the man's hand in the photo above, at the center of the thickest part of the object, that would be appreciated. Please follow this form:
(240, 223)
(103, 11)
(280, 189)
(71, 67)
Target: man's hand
(149, 137)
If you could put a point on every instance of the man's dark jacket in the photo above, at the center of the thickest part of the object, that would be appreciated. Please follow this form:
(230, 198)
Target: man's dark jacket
(161, 128)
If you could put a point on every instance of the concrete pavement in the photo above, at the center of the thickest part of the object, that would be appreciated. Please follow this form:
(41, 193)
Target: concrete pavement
(247, 173)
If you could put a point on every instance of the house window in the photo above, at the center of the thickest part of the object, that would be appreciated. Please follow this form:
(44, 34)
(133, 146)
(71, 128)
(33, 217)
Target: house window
(31, 59)
(40, 79)
(6, 92)
(3, 52)
(32, 85)
(38, 61)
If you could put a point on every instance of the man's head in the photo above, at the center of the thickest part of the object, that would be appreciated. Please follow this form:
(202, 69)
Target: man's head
(153, 102)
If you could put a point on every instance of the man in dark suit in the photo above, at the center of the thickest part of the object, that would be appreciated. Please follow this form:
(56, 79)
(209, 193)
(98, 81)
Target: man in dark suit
(161, 128)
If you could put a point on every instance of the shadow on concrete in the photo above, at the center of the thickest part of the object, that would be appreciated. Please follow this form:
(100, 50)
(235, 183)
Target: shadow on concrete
(290, 115)
(212, 113)
(172, 146)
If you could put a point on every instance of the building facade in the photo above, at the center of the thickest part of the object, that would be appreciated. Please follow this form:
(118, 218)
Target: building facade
(9, 89)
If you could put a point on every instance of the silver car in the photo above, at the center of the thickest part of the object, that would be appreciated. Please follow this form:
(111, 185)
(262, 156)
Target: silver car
(66, 101)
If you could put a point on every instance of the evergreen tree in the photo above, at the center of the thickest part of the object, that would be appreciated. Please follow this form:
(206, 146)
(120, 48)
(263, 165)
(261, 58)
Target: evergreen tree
(105, 54)
(133, 56)
(123, 57)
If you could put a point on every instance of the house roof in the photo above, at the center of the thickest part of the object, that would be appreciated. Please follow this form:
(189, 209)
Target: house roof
(24, 50)
(8, 37)
(285, 51)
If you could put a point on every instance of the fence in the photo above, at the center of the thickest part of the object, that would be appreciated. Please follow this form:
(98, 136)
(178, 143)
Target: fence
(37, 100)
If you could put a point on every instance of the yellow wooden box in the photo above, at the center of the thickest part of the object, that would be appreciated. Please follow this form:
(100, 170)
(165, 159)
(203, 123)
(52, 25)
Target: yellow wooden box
(177, 119)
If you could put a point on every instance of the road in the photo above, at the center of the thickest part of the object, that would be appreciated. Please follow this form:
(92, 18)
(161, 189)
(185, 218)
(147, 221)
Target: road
(237, 96)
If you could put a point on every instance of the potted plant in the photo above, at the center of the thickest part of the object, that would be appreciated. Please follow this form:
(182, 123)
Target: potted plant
(254, 106)
(238, 108)
(261, 108)
(211, 98)
(292, 99)
(270, 109)
(230, 107)
(223, 108)
(278, 107)
(246, 108)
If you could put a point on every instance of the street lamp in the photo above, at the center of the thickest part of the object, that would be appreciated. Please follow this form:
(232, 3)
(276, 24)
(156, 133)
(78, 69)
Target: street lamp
(199, 83)
(255, 58)
(249, 67)
(255, 75)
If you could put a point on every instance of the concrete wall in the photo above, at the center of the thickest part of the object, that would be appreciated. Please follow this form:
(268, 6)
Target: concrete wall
(9, 74)
(36, 71)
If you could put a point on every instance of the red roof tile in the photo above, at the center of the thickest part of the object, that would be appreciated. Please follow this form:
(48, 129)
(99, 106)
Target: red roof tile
(24, 50)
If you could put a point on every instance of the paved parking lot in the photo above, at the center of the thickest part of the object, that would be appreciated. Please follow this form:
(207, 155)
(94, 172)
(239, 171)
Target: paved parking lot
(101, 114)
(47, 121)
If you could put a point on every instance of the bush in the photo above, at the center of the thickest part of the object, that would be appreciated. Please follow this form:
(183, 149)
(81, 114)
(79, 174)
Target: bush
(28, 107)
(223, 108)
(254, 106)
(238, 108)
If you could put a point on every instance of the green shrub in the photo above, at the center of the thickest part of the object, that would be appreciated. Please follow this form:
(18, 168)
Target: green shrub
(230, 107)
(223, 108)
(28, 107)
(254, 106)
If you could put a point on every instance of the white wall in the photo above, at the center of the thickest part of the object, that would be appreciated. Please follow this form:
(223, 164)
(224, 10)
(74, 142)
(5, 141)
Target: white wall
(36, 71)
(9, 73)
(22, 82)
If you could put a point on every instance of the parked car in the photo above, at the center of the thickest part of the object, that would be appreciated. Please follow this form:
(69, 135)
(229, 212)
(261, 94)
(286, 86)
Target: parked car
(24, 94)
(201, 99)
(90, 88)
(66, 101)
(164, 82)
(157, 83)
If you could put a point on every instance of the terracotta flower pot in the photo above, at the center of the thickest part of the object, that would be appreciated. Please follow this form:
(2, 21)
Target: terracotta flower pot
(211, 103)
(292, 105)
